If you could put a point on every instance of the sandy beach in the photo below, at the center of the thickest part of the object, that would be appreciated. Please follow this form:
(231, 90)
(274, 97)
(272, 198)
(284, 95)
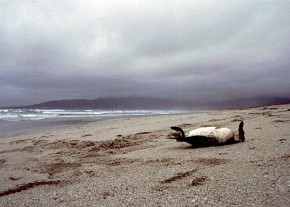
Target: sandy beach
(130, 162)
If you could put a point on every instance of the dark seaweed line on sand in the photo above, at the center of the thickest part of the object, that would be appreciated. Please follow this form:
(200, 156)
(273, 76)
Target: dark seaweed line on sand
(28, 186)
(178, 176)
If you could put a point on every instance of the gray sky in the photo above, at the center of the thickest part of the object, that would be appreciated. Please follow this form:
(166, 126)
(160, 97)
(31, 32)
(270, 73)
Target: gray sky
(193, 50)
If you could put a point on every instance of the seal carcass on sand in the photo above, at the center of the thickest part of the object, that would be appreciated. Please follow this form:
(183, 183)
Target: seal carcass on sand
(209, 136)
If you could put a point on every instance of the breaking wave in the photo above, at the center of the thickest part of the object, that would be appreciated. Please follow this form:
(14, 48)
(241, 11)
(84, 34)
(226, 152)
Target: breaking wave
(38, 114)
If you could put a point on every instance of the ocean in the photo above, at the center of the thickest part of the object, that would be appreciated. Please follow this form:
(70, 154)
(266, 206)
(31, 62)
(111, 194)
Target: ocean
(13, 121)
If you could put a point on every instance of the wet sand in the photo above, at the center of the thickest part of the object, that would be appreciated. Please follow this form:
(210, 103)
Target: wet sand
(129, 162)
(10, 128)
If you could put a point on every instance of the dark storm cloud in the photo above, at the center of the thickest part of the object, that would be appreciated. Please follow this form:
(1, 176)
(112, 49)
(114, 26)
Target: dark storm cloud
(205, 50)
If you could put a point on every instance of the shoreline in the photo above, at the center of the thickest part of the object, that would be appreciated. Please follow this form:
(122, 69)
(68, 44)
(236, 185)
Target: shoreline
(130, 162)
(13, 127)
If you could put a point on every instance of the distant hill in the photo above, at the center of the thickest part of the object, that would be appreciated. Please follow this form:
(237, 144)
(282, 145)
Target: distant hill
(253, 102)
(135, 102)
(132, 102)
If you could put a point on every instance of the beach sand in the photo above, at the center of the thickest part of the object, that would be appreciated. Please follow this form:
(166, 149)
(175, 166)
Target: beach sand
(129, 162)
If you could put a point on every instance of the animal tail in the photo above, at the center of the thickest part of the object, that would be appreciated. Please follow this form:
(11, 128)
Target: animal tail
(241, 131)
(178, 129)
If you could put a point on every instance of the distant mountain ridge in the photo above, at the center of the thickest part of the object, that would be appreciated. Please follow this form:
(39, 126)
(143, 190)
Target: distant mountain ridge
(135, 102)
(132, 102)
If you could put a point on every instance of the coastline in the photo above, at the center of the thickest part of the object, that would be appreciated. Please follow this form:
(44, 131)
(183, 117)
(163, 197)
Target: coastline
(129, 162)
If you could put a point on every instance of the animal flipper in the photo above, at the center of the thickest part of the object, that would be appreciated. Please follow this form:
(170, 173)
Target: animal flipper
(178, 129)
(241, 125)
(241, 131)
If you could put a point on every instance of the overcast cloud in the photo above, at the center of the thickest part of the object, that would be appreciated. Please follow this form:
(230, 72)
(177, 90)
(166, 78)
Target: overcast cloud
(193, 50)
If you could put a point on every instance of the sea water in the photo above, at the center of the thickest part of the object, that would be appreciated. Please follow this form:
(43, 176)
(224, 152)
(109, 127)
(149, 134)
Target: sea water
(20, 120)
(38, 114)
